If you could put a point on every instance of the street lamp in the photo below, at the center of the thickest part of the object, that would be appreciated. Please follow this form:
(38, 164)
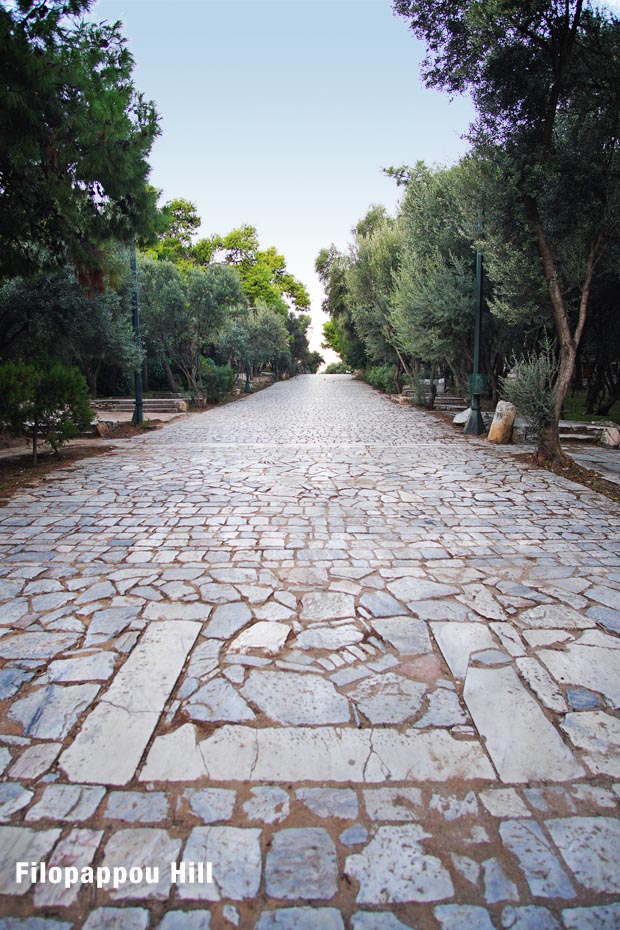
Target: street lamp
(248, 387)
(478, 383)
(138, 410)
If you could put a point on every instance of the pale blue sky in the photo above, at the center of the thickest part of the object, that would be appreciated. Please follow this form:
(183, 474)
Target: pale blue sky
(281, 113)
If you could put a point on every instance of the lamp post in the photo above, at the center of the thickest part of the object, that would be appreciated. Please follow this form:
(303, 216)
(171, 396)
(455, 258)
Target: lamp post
(138, 410)
(478, 382)
(248, 387)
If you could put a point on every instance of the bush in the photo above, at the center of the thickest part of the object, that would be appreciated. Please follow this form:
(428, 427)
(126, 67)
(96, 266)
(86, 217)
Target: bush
(382, 378)
(337, 368)
(529, 386)
(44, 402)
(217, 380)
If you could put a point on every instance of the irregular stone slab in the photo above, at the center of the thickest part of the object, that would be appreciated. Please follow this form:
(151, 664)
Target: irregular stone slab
(184, 610)
(105, 624)
(175, 757)
(330, 802)
(514, 728)
(288, 697)
(218, 701)
(211, 804)
(66, 802)
(419, 589)
(117, 918)
(599, 734)
(330, 638)
(463, 917)
(393, 804)
(497, 885)
(11, 680)
(35, 760)
(33, 923)
(22, 844)
(108, 748)
(97, 667)
(408, 635)
(444, 710)
(469, 869)
(603, 917)
(591, 666)
(354, 836)
(452, 807)
(13, 797)
(302, 863)
(78, 849)
(503, 802)
(186, 920)
(327, 605)
(457, 641)
(539, 864)
(51, 712)
(265, 636)
(36, 645)
(608, 617)
(375, 920)
(142, 847)
(529, 918)
(482, 602)
(538, 638)
(137, 806)
(228, 619)
(441, 610)
(393, 868)
(388, 698)
(268, 804)
(204, 659)
(552, 616)
(590, 847)
(381, 604)
(582, 699)
(301, 918)
(236, 857)
(541, 684)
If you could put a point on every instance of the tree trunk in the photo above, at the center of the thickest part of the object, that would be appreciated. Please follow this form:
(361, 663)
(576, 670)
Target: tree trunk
(549, 446)
(169, 376)
(35, 436)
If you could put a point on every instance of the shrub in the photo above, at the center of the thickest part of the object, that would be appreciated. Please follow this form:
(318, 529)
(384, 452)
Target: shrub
(529, 386)
(382, 378)
(337, 368)
(217, 381)
(44, 402)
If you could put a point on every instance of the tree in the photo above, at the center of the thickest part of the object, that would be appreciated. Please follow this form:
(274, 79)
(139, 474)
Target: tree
(340, 332)
(179, 221)
(50, 403)
(263, 272)
(74, 139)
(545, 78)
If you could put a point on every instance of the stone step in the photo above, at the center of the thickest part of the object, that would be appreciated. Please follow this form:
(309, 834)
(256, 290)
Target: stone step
(151, 405)
(592, 438)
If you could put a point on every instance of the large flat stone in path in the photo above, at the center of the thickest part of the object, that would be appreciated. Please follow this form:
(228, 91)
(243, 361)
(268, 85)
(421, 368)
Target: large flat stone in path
(289, 697)
(457, 641)
(21, 844)
(522, 743)
(336, 754)
(590, 846)
(419, 589)
(594, 665)
(108, 748)
(394, 868)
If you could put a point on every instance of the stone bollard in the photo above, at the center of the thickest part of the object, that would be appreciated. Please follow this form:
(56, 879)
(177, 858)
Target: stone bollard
(501, 427)
(611, 437)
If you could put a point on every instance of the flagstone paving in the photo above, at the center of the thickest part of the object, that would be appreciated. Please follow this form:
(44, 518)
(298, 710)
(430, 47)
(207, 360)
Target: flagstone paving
(366, 667)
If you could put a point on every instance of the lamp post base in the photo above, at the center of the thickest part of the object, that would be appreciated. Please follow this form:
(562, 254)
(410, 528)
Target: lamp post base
(475, 424)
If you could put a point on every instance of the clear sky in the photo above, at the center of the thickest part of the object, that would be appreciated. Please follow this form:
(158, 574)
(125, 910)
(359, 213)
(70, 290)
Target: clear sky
(282, 113)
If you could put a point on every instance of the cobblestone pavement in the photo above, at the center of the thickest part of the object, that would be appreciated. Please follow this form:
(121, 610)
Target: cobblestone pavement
(365, 667)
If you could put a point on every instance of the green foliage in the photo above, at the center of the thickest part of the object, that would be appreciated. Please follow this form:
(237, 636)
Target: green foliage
(382, 378)
(337, 368)
(216, 381)
(263, 271)
(74, 139)
(529, 386)
(179, 220)
(44, 402)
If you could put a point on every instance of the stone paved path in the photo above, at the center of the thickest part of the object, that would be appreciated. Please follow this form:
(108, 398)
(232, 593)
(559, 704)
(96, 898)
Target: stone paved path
(368, 669)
